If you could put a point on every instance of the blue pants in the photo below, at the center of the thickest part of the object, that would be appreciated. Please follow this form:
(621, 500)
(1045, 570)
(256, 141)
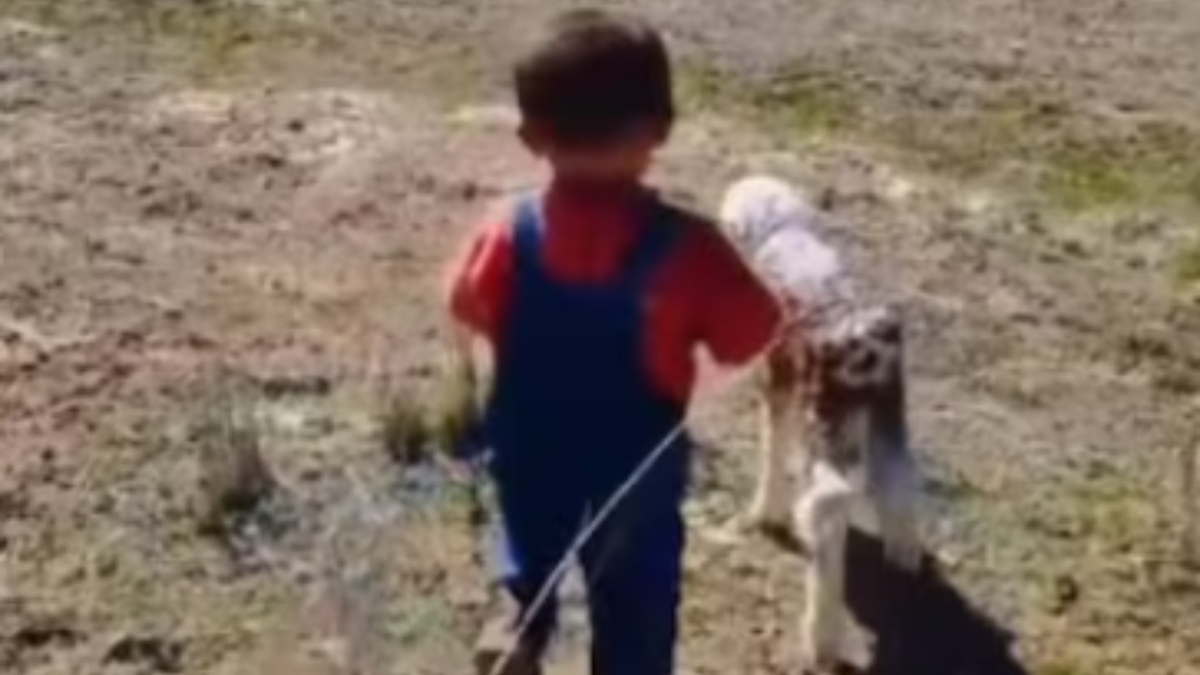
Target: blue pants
(631, 566)
(572, 414)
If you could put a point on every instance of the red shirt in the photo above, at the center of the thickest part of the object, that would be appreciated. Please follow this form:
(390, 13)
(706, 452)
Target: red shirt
(702, 295)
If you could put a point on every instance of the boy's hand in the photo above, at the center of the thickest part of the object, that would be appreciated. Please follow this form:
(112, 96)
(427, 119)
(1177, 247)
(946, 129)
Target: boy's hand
(737, 315)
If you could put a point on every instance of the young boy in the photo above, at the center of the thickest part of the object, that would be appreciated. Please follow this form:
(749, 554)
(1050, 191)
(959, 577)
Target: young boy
(594, 296)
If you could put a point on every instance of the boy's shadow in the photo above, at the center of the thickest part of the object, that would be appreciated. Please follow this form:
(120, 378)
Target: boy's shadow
(922, 624)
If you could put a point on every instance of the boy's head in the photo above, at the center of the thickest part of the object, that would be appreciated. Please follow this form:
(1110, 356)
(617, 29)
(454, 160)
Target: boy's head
(595, 95)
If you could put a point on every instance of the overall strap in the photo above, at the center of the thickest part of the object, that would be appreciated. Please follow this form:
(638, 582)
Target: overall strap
(660, 227)
(528, 228)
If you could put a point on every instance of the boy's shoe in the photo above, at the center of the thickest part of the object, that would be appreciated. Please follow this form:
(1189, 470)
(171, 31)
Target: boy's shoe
(498, 643)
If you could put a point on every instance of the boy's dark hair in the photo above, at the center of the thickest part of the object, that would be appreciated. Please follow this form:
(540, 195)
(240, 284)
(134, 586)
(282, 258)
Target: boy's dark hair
(593, 77)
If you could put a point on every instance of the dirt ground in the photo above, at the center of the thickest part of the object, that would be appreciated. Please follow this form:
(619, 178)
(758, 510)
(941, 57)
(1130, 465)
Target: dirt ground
(194, 192)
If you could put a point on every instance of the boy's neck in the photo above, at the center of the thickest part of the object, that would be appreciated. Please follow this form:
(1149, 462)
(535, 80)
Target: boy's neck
(592, 189)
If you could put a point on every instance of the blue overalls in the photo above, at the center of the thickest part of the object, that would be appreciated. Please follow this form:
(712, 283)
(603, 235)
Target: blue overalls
(571, 415)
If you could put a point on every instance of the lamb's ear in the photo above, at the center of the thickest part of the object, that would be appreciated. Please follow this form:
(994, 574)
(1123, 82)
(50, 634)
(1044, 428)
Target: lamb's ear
(825, 352)
(884, 323)
(891, 324)
(744, 201)
(733, 227)
(815, 354)
(729, 229)
(727, 215)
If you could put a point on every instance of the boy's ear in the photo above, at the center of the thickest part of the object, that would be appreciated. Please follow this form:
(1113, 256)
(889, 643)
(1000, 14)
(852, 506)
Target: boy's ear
(532, 138)
(663, 133)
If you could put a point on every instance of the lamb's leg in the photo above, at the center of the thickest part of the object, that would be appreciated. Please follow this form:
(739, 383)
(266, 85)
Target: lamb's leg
(822, 516)
(893, 487)
(779, 436)
(892, 477)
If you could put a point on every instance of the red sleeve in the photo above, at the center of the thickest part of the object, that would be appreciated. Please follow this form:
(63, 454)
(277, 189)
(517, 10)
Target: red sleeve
(736, 315)
(480, 278)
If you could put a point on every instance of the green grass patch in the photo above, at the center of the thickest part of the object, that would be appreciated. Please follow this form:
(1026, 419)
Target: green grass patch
(699, 88)
(1064, 665)
(1156, 161)
(216, 40)
(209, 41)
(1187, 265)
(1029, 139)
(974, 142)
(796, 103)
(811, 103)
(1080, 176)
(1073, 160)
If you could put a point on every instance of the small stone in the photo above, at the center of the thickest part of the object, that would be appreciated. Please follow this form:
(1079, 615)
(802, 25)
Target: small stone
(336, 650)
(977, 203)
(311, 473)
(899, 190)
(494, 116)
(1066, 594)
(157, 654)
(469, 597)
(105, 564)
(1074, 248)
(827, 198)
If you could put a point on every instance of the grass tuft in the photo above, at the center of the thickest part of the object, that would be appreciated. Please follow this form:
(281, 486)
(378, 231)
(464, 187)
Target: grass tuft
(1187, 265)
(797, 102)
(233, 477)
(403, 428)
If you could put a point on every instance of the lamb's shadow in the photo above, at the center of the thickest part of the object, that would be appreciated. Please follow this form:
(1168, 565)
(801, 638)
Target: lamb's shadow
(922, 624)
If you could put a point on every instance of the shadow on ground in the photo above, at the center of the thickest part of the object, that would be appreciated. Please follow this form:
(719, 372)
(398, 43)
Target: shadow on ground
(922, 624)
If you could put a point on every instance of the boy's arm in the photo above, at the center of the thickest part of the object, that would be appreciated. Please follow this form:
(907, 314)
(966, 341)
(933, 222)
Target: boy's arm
(738, 316)
(478, 279)
(475, 299)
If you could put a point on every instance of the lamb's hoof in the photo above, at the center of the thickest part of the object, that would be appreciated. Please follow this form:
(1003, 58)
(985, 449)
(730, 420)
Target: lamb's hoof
(778, 531)
(737, 530)
(831, 664)
(746, 525)
(757, 521)
(783, 536)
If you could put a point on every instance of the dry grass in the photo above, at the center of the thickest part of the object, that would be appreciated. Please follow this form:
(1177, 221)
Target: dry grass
(402, 425)
(233, 477)
(416, 424)
(1187, 265)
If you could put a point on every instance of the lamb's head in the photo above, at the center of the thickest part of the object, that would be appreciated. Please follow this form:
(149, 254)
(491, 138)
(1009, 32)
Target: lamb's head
(862, 350)
(859, 373)
(756, 206)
